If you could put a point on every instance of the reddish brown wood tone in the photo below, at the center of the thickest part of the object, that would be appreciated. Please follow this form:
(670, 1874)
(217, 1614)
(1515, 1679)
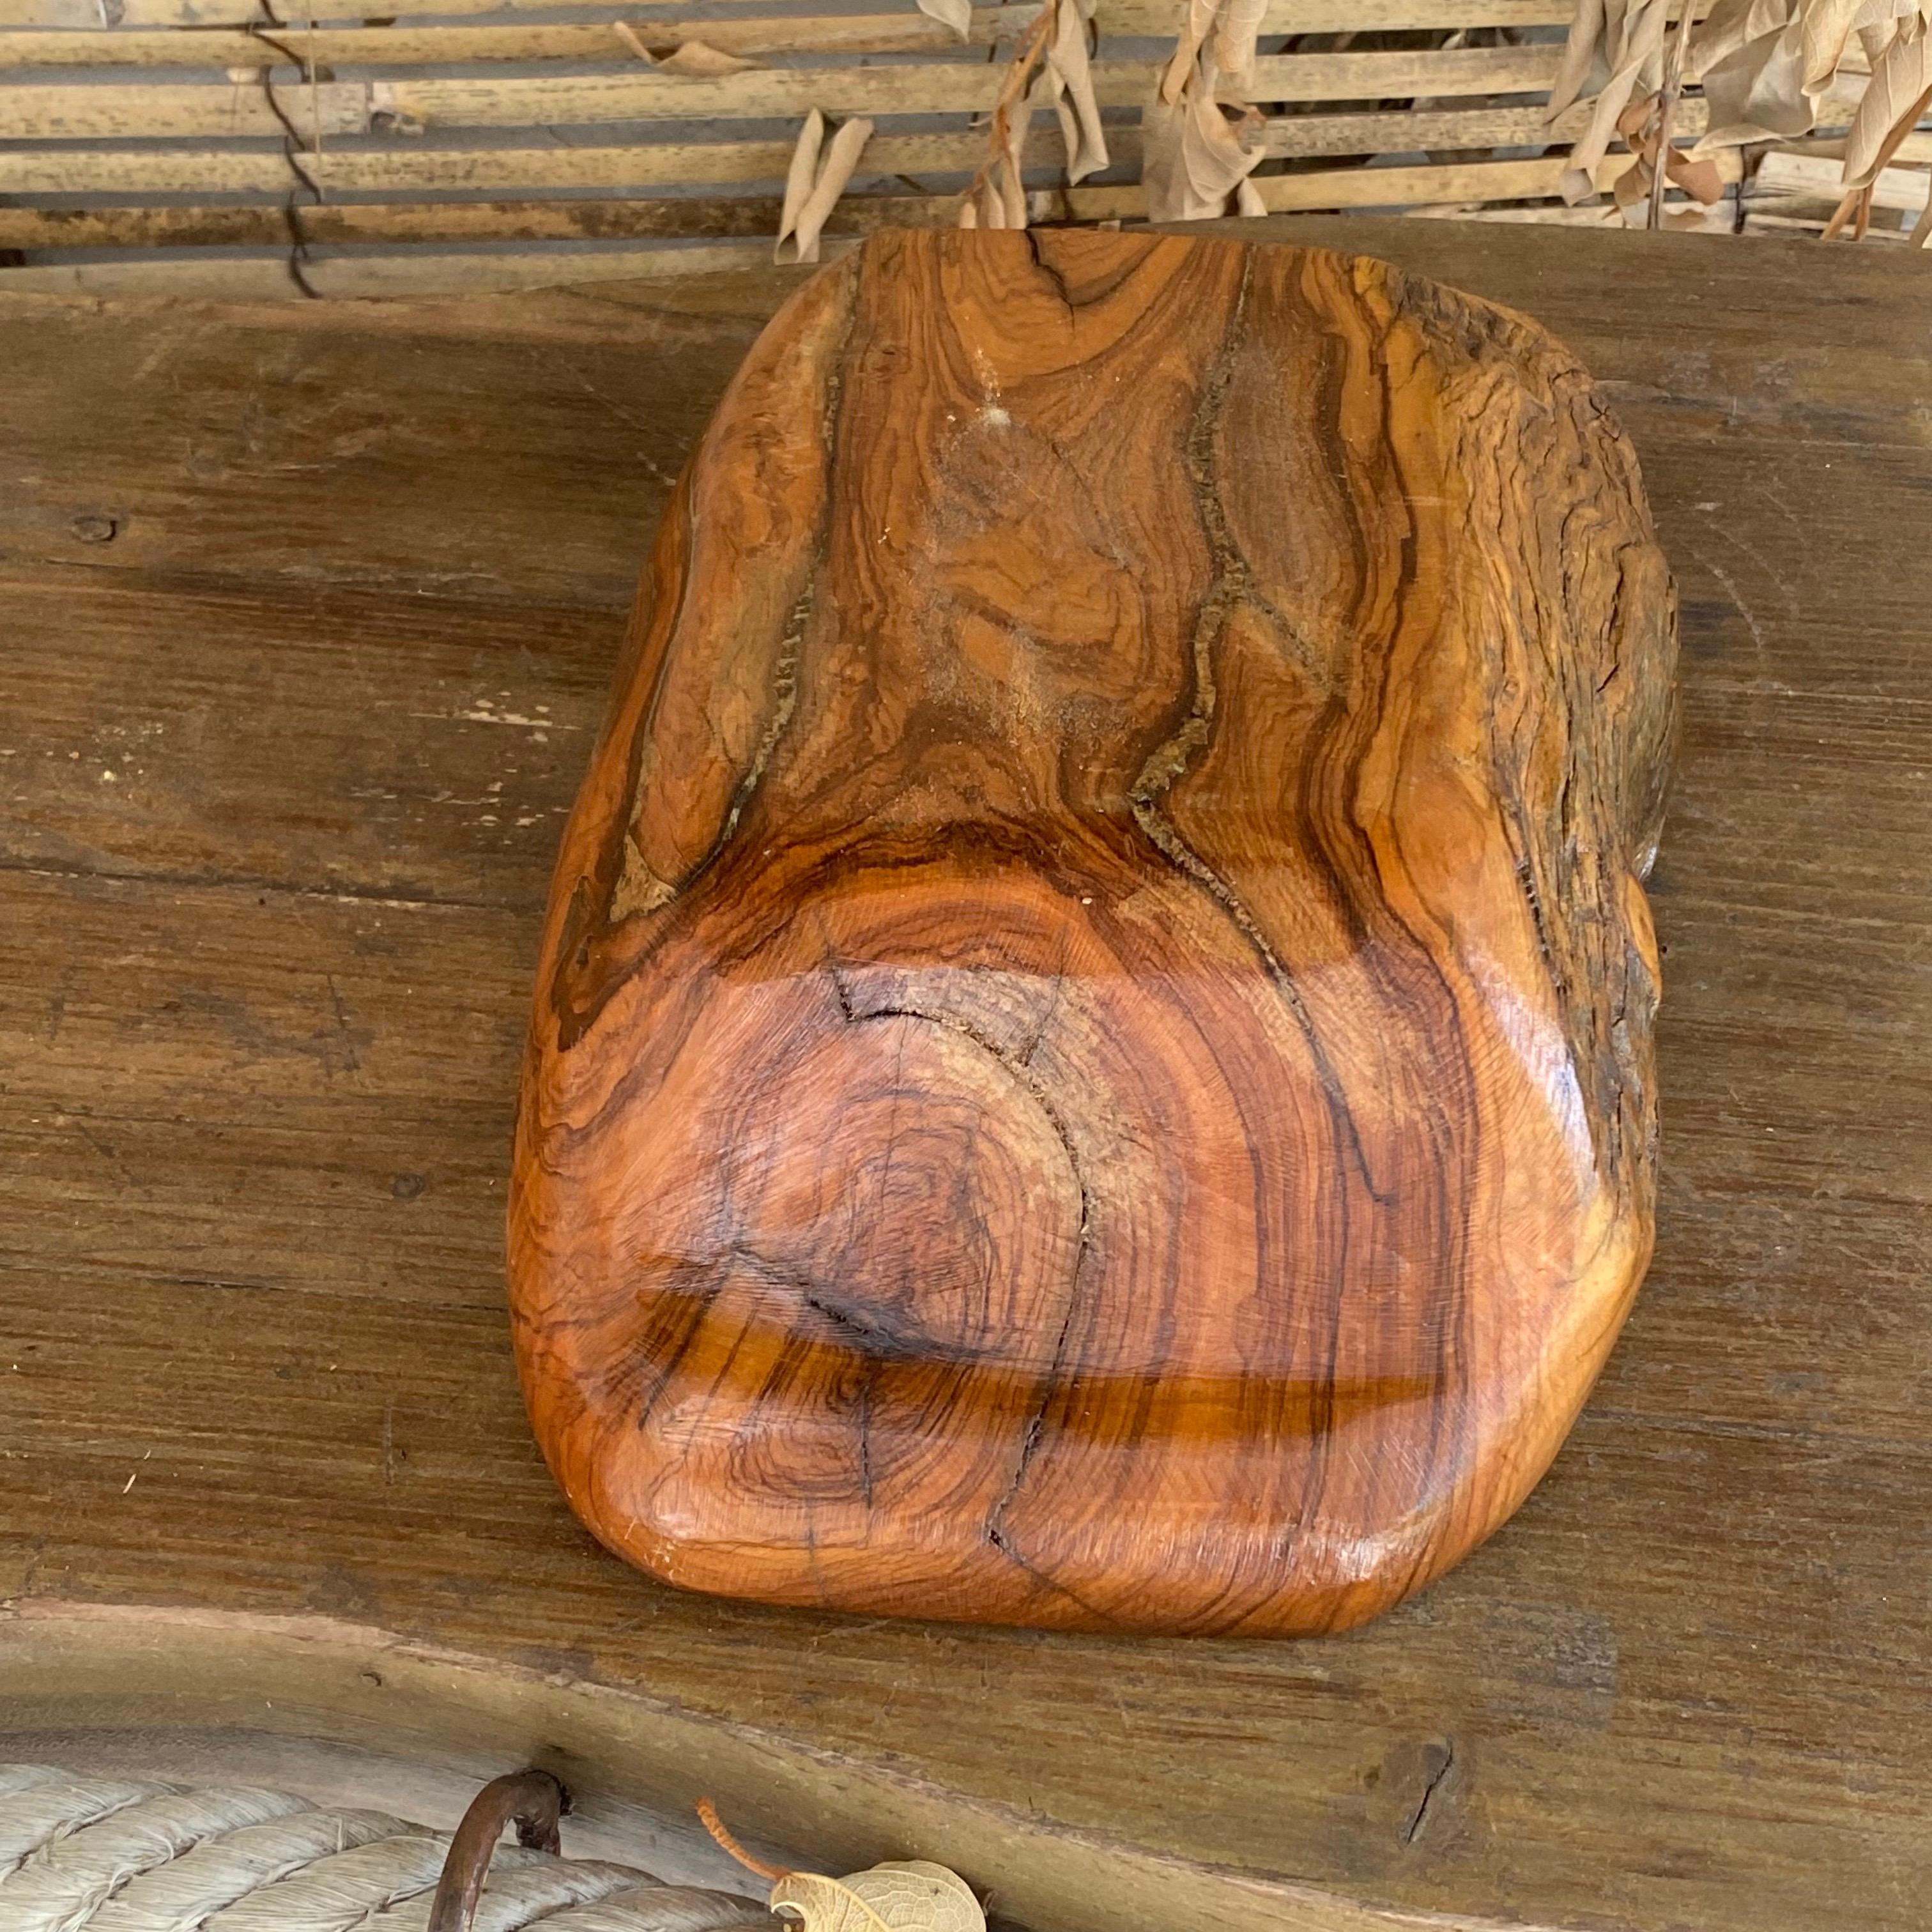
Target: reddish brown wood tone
(1092, 1057)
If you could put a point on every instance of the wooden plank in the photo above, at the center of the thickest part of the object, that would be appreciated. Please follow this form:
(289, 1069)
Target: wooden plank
(78, 112)
(426, 272)
(1687, 1686)
(1808, 214)
(1720, 219)
(1370, 187)
(943, 88)
(403, 168)
(226, 278)
(330, 223)
(1823, 177)
(901, 30)
(408, 45)
(1115, 17)
(685, 217)
(516, 520)
(174, 109)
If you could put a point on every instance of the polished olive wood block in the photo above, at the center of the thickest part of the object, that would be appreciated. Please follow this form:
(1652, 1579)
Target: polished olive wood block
(1092, 1058)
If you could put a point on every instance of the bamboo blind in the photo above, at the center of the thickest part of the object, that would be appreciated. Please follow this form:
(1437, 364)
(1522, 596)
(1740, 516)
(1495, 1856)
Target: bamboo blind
(211, 147)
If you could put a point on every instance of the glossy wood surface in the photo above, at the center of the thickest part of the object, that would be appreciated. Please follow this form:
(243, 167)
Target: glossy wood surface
(1092, 1060)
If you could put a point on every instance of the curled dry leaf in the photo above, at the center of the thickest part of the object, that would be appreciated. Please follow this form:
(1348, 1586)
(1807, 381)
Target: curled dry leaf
(957, 14)
(1582, 55)
(815, 183)
(696, 58)
(1894, 99)
(1826, 27)
(1631, 48)
(700, 59)
(996, 196)
(1197, 23)
(1067, 82)
(1641, 127)
(1767, 67)
(901, 1895)
(1237, 28)
(1756, 93)
(1197, 155)
(1732, 26)
(911, 1896)
(1049, 67)
(1225, 30)
(1194, 158)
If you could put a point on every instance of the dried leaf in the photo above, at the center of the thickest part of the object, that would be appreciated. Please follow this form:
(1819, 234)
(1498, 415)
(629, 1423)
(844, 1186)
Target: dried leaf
(1581, 52)
(1237, 28)
(1873, 40)
(687, 57)
(1216, 35)
(1196, 24)
(996, 196)
(1056, 44)
(813, 185)
(1757, 94)
(1827, 26)
(1193, 157)
(700, 59)
(1066, 83)
(957, 14)
(1631, 186)
(912, 1896)
(1638, 63)
(1731, 25)
(1699, 179)
(1893, 100)
(1630, 123)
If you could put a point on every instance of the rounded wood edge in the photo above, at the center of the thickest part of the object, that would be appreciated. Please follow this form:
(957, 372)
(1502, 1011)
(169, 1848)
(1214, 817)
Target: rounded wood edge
(92, 1669)
(1546, 367)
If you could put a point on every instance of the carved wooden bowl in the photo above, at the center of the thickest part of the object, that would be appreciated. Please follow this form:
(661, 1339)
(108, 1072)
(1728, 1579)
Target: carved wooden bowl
(1092, 1062)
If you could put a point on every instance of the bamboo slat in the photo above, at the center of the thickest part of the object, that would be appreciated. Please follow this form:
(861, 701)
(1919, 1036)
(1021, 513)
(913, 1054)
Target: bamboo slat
(1125, 17)
(729, 216)
(167, 109)
(406, 168)
(905, 30)
(405, 45)
(1821, 177)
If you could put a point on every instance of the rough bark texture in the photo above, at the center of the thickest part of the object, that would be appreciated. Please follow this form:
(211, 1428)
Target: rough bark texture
(1092, 1062)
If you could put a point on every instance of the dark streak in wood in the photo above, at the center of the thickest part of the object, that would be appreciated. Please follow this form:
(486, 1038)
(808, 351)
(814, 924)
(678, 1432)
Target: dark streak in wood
(1166, 713)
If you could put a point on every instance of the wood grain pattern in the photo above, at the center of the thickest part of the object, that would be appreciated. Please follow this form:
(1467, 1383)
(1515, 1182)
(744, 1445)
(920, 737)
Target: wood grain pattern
(262, 1001)
(1092, 1060)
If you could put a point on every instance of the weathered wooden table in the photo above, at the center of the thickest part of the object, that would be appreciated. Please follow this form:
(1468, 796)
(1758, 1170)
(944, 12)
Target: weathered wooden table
(308, 609)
